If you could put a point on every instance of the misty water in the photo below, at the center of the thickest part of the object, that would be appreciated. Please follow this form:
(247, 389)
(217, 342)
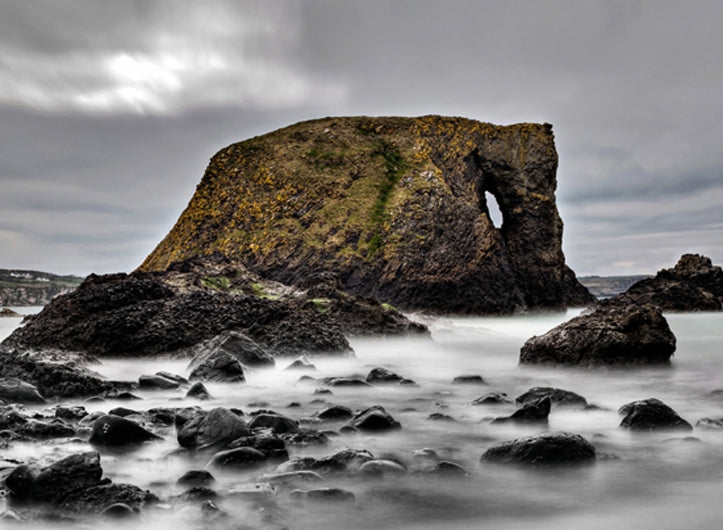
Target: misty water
(640, 481)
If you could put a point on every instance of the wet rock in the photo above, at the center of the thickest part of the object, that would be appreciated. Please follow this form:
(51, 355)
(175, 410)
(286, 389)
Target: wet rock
(292, 478)
(115, 431)
(606, 336)
(557, 397)
(157, 382)
(382, 375)
(651, 415)
(335, 413)
(198, 391)
(492, 398)
(301, 364)
(533, 412)
(469, 380)
(276, 422)
(196, 477)
(342, 381)
(306, 437)
(51, 484)
(447, 469)
(238, 458)
(381, 468)
(14, 390)
(70, 413)
(270, 445)
(122, 412)
(352, 459)
(118, 510)
(549, 449)
(197, 493)
(95, 499)
(374, 419)
(42, 430)
(320, 391)
(325, 495)
(219, 366)
(214, 428)
(125, 396)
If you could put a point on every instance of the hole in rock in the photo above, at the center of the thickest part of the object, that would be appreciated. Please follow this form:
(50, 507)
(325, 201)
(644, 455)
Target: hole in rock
(493, 209)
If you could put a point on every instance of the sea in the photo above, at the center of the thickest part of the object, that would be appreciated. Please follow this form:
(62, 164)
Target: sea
(640, 481)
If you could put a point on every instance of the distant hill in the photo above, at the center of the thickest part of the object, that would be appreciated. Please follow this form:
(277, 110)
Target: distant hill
(607, 286)
(26, 288)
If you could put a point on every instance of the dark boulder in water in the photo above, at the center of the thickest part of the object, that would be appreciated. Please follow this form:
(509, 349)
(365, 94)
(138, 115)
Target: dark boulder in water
(335, 412)
(382, 375)
(219, 366)
(157, 382)
(558, 396)
(116, 431)
(244, 349)
(275, 422)
(324, 495)
(610, 335)
(240, 457)
(342, 381)
(651, 415)
(375, 418)
(97, 499)
(492, 398)
(213, 428)
(196, 477)
(549, 449)
(470, 379)
(533, 412)
(198, 391)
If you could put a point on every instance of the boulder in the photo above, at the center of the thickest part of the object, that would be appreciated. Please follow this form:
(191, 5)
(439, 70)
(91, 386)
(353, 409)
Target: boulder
(157, 382)
(245, 350)
(533, 412)
(374, 419)
(214, 428)
(196, 477)
(115, 431)
(271, 445)
(470, 379)
(238, 458)
(608, 335)
(382, 375)
(97, 499)
(381, 468)
(198, 391)
(342, 381)
(275, 422)
(492, 398)
(558, 397)
(549, 449)
(651, 415)
(334, 413)
(219, 366)
(13, 390)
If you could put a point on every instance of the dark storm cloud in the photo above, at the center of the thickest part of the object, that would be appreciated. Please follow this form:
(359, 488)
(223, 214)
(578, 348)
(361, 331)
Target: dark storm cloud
(109, 111)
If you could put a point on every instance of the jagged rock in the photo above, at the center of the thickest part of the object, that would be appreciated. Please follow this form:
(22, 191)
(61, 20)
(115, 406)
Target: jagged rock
(693, 284)
(301, 364)
(382, 375)
(394, 207)
(219, 366)
(558, 396)
(214, 428)
(13, 390)
(70, 413)
(240, 457)
(374, 418)
(6, 312)
(242, 348)
(96, 499)
(709, 423)
(651, 415)
(532, 412)
(549, 449)
(492, 398)
(157, 382)
(276, 422)
(41, 430)
(113, 431)
(198, 391)
(607, 336)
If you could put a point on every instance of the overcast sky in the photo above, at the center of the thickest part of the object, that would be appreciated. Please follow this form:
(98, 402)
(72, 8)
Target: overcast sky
(110, 110)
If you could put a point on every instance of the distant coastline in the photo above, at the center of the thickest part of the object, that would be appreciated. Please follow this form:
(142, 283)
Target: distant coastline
(33, 288)
(607, 286)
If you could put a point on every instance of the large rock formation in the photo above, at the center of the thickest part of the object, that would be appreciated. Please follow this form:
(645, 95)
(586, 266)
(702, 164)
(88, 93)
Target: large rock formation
(397, 207)
(146, 314)
(694, 284)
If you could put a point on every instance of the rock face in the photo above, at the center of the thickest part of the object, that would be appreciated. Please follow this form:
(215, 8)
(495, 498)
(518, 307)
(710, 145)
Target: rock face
(609, 335)
(694, 284)
(396, 207)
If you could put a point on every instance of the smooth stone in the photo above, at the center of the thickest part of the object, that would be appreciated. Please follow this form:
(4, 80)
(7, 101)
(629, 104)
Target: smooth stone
(157, 382)
(469, 380)
(334, 413)
(549, 449)
(241, 457)
(382, 375)
(492, 398)
(651, 415)
(374, 418)
(381, 467)
(116, 431)
(196, 477)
